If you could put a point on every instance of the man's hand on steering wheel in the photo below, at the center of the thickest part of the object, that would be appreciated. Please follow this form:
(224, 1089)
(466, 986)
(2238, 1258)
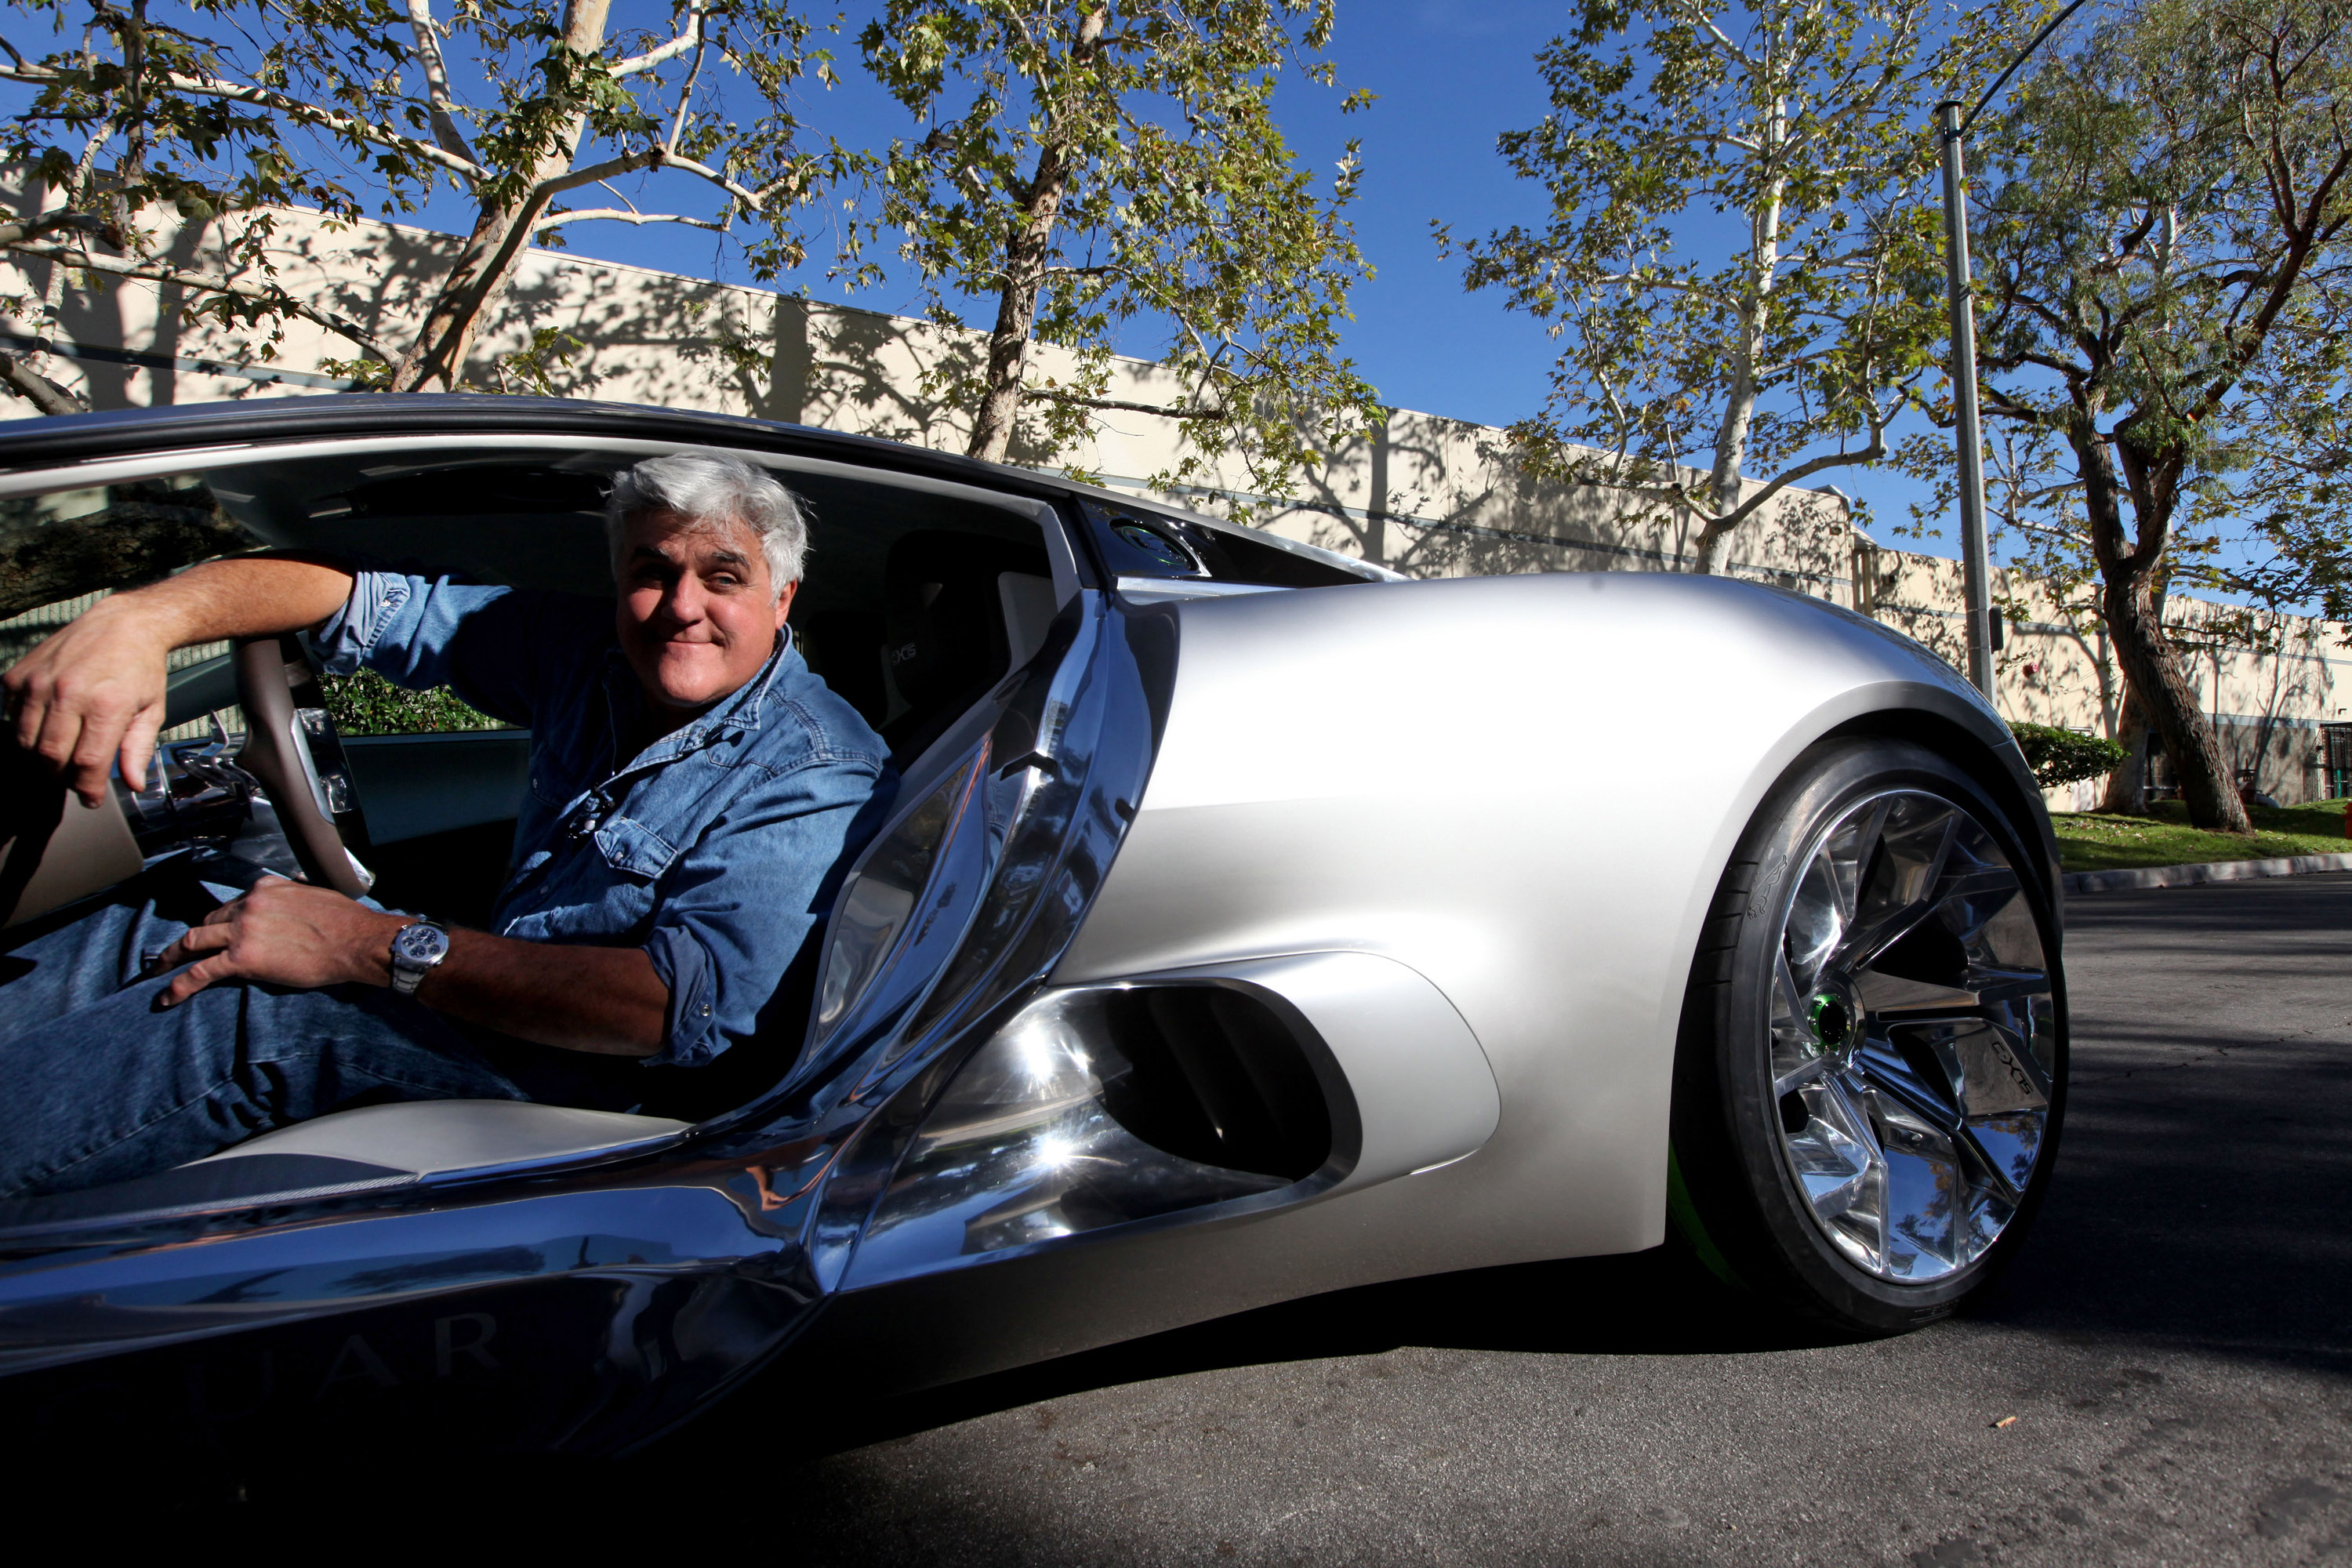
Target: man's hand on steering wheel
(283, 933)
(91, 693)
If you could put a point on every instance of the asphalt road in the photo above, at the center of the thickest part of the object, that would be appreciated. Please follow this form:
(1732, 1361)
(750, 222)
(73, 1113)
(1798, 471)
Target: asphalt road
(2175, 1347)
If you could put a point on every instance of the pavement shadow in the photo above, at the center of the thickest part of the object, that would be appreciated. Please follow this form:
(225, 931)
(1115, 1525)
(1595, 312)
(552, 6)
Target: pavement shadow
(2214, 1210)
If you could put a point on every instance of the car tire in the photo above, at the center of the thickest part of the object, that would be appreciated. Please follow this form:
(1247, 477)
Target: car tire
(1872, 1067)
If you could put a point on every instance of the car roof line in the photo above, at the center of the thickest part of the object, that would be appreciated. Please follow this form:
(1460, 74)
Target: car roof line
(60, 439)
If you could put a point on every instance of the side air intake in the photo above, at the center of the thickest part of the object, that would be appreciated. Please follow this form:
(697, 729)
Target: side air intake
(1212, 1075)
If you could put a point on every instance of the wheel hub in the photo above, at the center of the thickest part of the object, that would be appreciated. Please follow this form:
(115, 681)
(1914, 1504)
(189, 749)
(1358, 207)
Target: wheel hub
(1835, 1018)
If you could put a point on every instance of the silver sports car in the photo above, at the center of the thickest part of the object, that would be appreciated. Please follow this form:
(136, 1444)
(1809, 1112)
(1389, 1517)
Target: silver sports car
(1252, 924)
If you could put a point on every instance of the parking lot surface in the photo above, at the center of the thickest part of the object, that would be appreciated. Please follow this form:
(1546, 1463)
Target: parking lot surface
(2175, 1347)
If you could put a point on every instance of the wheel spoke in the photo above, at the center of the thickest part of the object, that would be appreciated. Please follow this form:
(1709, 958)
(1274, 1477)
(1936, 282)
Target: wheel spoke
(1982, 1065)
(1816, 925)
(1787, 997)
(1995, 985)
(1901, 882)
(1860, 835)
(1868, 1204)
(1928, 1199)
(2007, 1147)
(1792, 1037)
(1798, 1077)
(1882, 993)
(1890, 1072)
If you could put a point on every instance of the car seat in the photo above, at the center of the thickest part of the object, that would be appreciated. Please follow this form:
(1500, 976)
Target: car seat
(957, 608)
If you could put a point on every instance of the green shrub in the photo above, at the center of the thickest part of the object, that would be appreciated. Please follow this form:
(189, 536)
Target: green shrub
(2062, 757)
(368, 704)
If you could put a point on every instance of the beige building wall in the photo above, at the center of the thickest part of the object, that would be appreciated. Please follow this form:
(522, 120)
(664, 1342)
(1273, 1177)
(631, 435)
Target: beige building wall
(1427, 496)
(2267, 681)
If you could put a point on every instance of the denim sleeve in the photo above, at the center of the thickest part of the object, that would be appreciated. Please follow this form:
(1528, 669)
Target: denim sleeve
(424, 632)
(743, 903)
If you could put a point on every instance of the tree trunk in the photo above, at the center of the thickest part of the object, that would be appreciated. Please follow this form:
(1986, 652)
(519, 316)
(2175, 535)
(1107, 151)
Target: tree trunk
(1723, 483)
(1016, 311)
(435, 360)
(1714, 536)
(2126, 789)
(1029, 244)
(2131, 602)
(2155, 673)
(1731, 434)
(127, 542)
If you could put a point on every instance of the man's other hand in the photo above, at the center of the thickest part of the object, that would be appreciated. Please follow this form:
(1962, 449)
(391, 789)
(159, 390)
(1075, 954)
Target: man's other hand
(283, 933)
(92, 693)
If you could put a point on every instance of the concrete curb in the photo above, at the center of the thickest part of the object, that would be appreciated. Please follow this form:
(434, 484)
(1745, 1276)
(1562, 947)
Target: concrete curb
(2209, 871)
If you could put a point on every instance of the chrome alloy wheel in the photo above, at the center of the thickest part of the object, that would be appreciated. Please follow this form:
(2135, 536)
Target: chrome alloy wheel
(1913, 1037)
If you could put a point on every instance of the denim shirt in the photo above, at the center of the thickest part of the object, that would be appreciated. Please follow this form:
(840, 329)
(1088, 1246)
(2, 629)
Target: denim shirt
(717, 849)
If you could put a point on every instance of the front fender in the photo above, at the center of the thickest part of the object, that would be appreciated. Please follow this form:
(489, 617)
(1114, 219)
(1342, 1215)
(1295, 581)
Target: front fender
(1526, 789)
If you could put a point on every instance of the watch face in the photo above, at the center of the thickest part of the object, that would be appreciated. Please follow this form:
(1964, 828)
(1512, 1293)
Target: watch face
(420, 944)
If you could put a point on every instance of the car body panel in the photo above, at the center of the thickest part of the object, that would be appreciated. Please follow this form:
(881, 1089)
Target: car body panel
(1353, 770)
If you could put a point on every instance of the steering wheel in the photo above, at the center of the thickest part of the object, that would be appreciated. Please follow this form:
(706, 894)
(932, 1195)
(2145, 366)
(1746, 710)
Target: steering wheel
(290, 745)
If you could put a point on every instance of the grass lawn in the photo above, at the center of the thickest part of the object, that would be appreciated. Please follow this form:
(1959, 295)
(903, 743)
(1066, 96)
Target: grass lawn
(2090, 842)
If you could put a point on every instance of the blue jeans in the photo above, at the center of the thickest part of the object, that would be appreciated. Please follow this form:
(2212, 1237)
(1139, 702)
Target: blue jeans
(97, 1085)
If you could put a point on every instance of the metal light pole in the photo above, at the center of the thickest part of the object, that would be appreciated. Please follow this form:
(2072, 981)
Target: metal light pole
(1976, 558)
(1976, 555)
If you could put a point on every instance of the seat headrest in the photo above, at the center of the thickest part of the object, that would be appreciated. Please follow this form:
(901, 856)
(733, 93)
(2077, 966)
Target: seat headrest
(945, 616)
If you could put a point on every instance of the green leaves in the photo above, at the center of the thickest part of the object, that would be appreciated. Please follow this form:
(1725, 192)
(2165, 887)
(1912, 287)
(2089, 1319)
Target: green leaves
(368, 704)
(2163, 258)
(144, 127)
(1694, 365)
(2165, 244)
(1094, 170)
(2062, 757)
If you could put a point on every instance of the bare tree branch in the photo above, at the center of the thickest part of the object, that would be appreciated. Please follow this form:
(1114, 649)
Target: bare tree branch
(37, 389)
(689, 39)
(436, 82)
(293, 109)
(686, 93)
(623, 215)
(1121, 406)
(18, 232)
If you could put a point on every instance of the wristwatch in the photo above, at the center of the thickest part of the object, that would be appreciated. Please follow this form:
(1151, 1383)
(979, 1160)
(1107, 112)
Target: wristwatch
(415, 949)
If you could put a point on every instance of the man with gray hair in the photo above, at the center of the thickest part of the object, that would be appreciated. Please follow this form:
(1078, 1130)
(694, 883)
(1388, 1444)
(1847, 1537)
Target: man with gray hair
(695, 796)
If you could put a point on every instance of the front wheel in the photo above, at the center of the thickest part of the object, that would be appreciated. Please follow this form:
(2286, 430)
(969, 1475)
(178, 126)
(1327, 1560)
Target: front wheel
(1873, 1061)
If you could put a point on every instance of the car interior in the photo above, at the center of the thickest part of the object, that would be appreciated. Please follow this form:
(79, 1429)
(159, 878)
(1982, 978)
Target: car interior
(920, 597)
